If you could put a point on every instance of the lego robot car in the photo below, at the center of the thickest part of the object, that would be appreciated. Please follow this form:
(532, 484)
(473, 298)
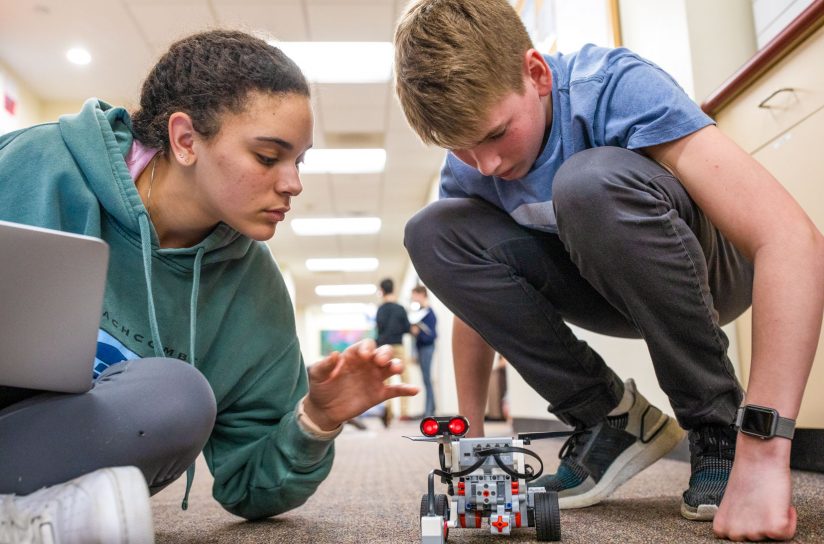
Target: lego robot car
(487, 485)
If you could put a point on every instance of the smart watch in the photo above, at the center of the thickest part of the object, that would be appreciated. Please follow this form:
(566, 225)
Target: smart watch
(763, 422)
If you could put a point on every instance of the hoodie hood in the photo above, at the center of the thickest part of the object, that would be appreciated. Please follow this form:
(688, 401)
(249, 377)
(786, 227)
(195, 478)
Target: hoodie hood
(100, 130)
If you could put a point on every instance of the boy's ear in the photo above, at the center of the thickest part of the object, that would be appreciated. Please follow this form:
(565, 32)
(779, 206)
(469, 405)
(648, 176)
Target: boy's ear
(538, 71)
(181, 138)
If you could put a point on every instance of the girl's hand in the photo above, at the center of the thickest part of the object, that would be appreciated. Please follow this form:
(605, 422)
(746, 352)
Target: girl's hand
(344, 385)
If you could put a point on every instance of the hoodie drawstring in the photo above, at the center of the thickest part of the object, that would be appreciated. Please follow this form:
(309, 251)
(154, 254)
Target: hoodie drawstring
(193, 304)
(190, 472)
(146, 246)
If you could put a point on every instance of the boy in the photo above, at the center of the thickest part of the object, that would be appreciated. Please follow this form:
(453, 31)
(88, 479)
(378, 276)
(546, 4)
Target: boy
(391, 323)
(589, 188)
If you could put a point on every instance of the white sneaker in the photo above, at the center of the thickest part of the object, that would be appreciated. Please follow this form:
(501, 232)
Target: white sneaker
(597, 460)
(107, 506)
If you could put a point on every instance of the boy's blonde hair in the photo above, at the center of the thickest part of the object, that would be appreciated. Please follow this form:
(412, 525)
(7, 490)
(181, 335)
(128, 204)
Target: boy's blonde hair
(454, 59)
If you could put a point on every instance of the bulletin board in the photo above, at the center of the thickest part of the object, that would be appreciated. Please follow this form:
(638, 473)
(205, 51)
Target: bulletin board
(339, 339)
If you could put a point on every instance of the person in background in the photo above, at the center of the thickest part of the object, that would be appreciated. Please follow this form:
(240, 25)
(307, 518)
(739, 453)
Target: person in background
(425, 331)
(589, 188)
(197, 349)
(392, 323)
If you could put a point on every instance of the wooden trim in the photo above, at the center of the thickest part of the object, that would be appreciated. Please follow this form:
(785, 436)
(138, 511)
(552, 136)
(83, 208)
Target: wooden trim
(797, 31)
(615, 22)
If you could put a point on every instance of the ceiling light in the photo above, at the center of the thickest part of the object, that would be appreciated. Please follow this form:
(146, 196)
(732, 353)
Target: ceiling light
(78, 55)
(326, 226)
(341, 62)
(346, 290)
(343, 161)
(348, 308)
(364, 264)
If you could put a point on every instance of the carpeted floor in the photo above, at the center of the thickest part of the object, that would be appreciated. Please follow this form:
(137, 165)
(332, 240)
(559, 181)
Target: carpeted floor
(374, 491)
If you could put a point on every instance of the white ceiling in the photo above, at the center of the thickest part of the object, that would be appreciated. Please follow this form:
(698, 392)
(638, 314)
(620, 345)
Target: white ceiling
(125, 37)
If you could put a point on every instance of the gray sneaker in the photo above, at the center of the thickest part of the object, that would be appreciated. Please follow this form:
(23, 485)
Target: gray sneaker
(107, 506)
(712, 450)
(596, 460)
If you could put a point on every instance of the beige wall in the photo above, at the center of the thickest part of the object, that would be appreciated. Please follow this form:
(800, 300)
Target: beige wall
(50, 111)
(721, 39)
(28, 109)
(699, 42)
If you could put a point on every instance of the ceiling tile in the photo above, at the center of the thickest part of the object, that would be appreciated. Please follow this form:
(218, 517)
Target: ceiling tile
(356, 194)
(282, 20)
(363, 118)
(359, 246)
(351, 21)
(163, 23)
(359, 108)
(343, 95)
(114, 74)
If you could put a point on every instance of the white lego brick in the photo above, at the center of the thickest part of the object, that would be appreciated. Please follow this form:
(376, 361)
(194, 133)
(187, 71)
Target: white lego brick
(432, 530)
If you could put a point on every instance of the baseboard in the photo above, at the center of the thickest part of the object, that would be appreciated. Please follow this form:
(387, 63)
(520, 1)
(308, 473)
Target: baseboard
(805, 455)
(806, 452)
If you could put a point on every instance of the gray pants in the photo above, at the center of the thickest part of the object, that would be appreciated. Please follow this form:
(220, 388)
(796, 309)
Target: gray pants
(634, 257)
(155, 414)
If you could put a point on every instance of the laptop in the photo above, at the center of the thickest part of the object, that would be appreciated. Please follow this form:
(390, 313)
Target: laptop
(51, 299)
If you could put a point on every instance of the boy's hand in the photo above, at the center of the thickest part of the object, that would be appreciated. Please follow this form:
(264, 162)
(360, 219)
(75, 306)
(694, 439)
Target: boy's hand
(344, 385)
(757, 503)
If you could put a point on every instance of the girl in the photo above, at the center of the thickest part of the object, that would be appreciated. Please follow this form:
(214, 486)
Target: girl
(197, 347)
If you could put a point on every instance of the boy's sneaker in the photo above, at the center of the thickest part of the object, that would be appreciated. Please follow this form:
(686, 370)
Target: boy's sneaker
(712, 450)
(108, 506)
(596, 460)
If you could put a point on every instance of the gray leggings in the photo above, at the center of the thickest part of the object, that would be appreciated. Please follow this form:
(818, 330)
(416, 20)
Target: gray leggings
(634, 257)
(155, 414)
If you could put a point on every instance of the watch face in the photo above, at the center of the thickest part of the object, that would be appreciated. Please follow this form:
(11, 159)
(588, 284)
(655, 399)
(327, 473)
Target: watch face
(758, 421)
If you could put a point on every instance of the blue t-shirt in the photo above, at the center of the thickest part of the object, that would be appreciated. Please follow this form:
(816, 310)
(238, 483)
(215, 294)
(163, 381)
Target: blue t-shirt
(600, 97)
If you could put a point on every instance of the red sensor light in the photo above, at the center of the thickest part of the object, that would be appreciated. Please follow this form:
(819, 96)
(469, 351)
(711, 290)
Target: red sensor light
(457, 426)
(429, 427)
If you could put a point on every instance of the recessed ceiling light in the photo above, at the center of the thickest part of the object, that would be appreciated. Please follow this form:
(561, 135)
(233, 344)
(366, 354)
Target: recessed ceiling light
(348, 308)
(326, 226)
(78, 55)
(346, 290)
(359, 264)
(343, 161)
(341, 62)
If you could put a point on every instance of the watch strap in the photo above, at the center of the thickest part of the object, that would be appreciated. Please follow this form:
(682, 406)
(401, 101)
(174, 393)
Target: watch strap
(785, 428)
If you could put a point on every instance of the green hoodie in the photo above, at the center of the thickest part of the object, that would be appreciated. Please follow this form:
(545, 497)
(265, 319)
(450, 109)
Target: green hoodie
(72, 176)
